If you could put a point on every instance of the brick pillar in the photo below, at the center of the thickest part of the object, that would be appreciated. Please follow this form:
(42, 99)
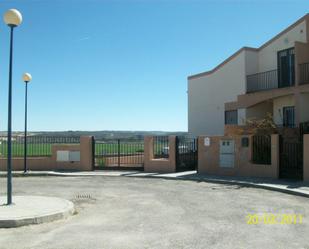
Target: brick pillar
(86, 153)
(275, 153)
(306, 158)
(162, 165)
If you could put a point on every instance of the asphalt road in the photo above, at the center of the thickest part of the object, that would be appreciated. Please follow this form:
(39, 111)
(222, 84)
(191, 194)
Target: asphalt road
(122, 212)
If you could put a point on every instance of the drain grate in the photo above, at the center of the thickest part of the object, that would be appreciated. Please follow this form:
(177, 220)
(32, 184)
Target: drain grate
(84, 197)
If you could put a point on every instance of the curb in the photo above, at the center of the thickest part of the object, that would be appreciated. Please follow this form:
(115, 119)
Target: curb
(44, 218)
(217, 181)
(239, 183)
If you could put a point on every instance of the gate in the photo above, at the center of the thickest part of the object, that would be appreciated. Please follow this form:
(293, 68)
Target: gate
(291, 158)
(186, 153)
(118, 154)
(291, 153)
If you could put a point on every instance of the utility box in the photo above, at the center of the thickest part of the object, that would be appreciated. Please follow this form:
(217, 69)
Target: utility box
(227, 153)
(62, 156)
(74, 156)
(68, 156)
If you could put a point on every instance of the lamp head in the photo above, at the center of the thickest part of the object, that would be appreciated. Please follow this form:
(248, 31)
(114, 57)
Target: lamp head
(27, 77)
(13, 18)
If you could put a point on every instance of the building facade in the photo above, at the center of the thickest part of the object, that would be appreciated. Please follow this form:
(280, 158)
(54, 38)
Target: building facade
(253, 82)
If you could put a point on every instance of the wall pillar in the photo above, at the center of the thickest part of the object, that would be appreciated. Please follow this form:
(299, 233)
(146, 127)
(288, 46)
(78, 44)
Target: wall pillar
(86, 153)
(275, 151)
(159, 165)
(306, 158)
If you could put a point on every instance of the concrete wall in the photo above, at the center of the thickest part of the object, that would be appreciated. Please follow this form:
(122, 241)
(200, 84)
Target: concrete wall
(278, 105)
(209, 158)
(51, 163)
(268, 54)
(207, 95)
(161, 165)
(251, 62)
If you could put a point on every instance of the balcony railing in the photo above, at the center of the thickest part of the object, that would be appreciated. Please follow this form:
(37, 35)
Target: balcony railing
(304, 73)
(262, 81)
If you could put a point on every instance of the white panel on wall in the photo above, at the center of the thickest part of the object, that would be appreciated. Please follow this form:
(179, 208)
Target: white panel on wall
(74, 156)
(62, 156)
(227, 153)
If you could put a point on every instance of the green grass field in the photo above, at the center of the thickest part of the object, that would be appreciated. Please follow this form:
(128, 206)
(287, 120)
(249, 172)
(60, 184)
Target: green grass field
(45, 149)
(32, 149)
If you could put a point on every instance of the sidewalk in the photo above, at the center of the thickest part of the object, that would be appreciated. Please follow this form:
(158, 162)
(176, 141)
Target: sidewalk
(290, 187)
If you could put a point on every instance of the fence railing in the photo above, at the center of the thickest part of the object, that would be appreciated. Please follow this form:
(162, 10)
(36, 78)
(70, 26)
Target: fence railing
(37, 146)
(261, 149)
(160, 147)
(119, 153)
(262, 81)
(303, 73)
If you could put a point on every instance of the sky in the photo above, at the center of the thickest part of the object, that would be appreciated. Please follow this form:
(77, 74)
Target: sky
(123, 65)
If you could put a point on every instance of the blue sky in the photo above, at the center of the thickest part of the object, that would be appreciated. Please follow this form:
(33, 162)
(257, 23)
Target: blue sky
(123, 65)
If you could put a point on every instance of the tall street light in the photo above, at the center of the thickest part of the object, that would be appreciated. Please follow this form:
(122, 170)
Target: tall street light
(26, 78)
(12, 18)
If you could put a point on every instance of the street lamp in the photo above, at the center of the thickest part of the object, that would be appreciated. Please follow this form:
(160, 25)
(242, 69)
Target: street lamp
(12, 18)
(26, 78)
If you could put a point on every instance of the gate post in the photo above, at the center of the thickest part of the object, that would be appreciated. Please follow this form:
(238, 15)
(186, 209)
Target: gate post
(118, 152)
(306, 158)
(93, 152)
(275, 153)
(86, 153)
(176, 153)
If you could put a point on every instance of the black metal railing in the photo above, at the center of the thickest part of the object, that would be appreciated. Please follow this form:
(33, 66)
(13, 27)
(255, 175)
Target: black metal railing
(262, 81)
(160, 147)
(37, 146)
(261, 149)
(119, 153)
(303, 73)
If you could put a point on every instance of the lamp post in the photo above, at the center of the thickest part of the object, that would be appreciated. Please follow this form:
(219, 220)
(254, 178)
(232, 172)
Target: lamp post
(26, 78)
(12, 18)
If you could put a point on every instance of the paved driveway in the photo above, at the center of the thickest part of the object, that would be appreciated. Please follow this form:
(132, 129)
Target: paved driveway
(122, 212)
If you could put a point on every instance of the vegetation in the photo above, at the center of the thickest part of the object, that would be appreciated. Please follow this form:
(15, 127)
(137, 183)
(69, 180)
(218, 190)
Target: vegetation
(254, 126)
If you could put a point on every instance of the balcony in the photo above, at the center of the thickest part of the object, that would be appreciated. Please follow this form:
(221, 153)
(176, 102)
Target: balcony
(262, 81)
(303, 73)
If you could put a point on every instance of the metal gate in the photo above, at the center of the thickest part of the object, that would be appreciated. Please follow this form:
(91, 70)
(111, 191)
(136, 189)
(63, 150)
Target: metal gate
(186, 153)
(292, 154)
(118, 154)
(291, 158)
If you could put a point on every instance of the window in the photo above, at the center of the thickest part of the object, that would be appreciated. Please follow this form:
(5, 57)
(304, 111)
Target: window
(231, 117)
(288, 116)
(286, 67)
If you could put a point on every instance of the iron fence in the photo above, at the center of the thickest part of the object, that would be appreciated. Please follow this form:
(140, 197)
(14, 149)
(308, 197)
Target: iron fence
(261, 149)
(186, 153)
(118, 153)
(303, 73)
(290, 158)
(160, 147)
(262, 81)
(37, 146)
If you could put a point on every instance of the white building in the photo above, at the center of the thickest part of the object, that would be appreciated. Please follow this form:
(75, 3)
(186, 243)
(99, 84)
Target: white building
(252, 82)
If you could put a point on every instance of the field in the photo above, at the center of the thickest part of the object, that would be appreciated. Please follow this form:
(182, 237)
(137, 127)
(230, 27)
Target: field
(45, 149)
(33, 150)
